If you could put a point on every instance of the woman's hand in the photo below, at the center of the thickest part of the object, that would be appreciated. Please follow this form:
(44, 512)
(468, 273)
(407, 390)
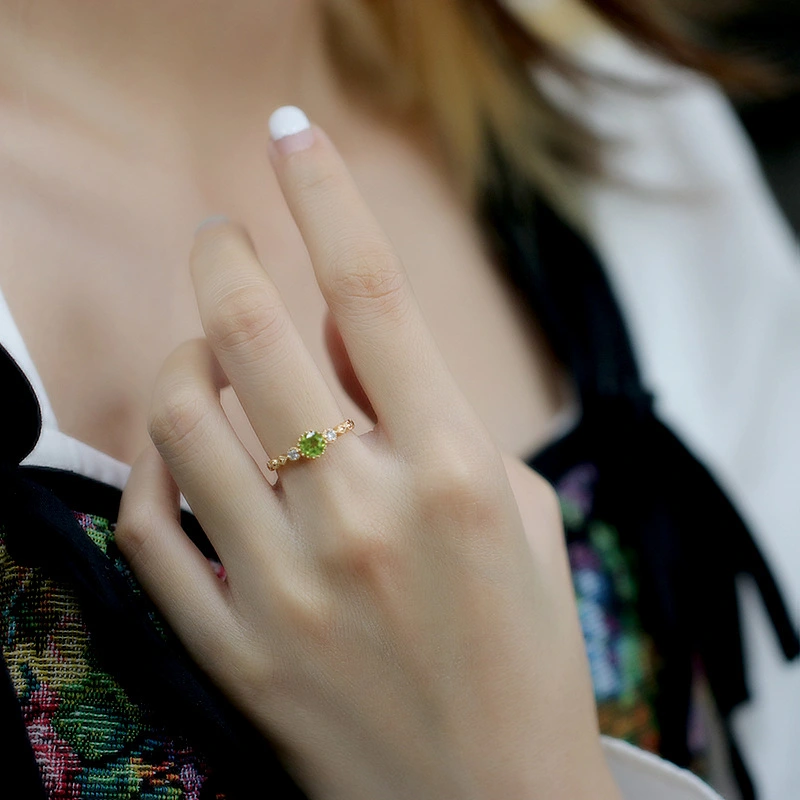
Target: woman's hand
(384, 617)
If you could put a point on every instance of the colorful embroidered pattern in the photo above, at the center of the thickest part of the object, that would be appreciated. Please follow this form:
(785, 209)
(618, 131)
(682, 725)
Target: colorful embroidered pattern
(90, 741)
(621, 655)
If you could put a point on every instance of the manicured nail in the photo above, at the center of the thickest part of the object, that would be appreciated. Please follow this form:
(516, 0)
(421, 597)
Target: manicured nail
(290, 130)
(211, 222)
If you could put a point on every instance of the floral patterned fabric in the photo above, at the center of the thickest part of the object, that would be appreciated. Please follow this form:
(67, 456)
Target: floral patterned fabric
(621, 655)
(89, 740)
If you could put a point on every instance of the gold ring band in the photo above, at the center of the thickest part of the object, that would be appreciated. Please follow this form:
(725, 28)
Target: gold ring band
(312, 444)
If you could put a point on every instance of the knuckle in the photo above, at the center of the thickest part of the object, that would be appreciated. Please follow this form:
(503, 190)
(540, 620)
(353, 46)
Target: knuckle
(177, 418)
(246, 320)
(309, 613)
(462, 484)
(249, 664)
(372, 556)
(455, 488)
(363, 548)
(369, 277)
(313, 177)
(459, 453)
(133, 535)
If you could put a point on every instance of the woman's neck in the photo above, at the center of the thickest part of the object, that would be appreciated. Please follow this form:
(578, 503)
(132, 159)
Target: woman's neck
(166, 74)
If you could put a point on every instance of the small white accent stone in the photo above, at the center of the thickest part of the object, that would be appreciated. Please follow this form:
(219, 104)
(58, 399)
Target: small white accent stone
(293, 454)
(330, 435)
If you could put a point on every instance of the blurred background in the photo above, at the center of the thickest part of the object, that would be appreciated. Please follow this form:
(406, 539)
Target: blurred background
(772, 27)
(766, 29)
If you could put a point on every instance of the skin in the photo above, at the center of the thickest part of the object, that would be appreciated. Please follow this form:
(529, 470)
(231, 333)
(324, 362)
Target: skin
(422, 631)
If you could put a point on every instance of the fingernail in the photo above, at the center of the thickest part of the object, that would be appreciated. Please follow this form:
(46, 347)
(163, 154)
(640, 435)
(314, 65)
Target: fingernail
(290, 130)
(211, 222)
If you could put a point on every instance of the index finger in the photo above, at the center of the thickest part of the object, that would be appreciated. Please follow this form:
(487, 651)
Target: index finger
(364, 283)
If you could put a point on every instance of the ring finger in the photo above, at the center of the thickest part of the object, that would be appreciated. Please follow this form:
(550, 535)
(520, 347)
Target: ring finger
(249, 328)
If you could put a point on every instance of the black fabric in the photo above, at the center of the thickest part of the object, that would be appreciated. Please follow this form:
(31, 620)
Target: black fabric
(690, 543)
(20, 430)
(17, 762)
(22, 419)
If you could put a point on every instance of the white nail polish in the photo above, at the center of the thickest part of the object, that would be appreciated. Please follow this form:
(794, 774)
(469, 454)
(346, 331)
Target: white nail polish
(287, 121)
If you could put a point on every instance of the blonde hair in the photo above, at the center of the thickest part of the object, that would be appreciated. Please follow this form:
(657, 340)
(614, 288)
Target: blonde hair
(465, 65)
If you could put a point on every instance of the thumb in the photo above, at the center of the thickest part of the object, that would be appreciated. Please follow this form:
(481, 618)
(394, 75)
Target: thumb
(344, 368)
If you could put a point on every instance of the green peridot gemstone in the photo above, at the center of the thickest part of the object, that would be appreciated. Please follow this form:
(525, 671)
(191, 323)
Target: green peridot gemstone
(312, 444)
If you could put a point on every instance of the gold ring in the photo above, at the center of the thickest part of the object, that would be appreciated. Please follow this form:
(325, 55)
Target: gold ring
(312, 444)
